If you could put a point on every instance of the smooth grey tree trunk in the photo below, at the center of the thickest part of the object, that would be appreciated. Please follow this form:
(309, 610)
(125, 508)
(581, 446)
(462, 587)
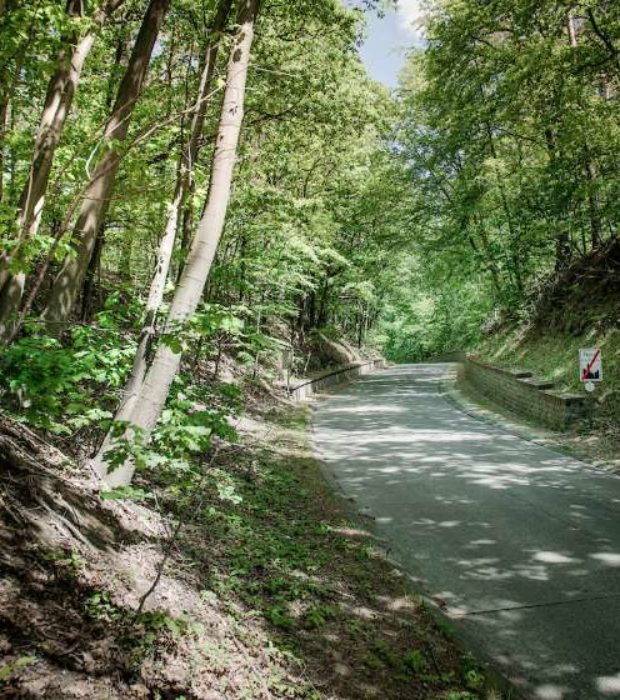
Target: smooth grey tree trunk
(96, 201)
(189, 155)
(56, 108)
(162, 371)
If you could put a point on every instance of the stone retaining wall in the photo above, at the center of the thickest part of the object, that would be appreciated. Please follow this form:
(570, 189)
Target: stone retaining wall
(526, 395)
(307, 388)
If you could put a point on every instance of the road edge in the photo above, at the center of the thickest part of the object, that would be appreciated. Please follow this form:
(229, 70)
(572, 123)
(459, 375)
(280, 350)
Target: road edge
(496, 681)
(456, 397)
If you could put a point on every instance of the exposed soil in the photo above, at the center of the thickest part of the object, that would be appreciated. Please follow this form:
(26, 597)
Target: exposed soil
(586, 293)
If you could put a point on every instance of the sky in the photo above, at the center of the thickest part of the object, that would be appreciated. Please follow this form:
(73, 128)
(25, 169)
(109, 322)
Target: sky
(389, 38)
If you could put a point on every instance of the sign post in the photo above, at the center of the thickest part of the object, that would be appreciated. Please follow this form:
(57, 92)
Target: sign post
(590, 368)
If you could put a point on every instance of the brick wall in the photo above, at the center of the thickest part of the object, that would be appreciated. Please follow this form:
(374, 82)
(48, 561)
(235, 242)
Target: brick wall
(526, 395)
(333, 377)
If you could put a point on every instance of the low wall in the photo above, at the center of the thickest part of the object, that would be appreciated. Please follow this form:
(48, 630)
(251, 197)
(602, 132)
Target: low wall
(526, 395)
(308, 387)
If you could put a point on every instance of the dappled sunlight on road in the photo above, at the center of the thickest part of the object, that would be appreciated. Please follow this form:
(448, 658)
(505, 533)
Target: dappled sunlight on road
(517, 542)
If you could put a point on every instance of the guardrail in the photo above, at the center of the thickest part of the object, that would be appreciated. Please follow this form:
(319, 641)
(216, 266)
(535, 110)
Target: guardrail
(308, 387)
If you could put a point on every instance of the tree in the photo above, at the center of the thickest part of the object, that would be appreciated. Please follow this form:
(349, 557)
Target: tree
(188, 158)
(59, 98)
(161, 373)
(98, 191)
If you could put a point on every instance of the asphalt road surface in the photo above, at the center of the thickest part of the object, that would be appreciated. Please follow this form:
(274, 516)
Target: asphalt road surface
(517, 543)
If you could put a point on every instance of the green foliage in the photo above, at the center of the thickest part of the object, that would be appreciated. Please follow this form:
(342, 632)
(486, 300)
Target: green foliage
(415, 661)
(102, 609)
(509, 132)
(132, 493)
(184, 434)
(64, 388)
(10, 669)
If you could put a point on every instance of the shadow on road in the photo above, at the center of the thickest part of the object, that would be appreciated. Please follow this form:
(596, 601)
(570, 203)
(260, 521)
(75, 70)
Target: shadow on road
(519, 544)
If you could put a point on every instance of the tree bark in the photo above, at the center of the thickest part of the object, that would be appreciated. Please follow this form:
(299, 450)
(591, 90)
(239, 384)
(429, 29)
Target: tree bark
(97, 197)
(189, 155)
(59, 98)
(562, 236)
(6, 95)
(512, 229)
(5, 102)
(89, 280)
(155, 388)
(596, 226)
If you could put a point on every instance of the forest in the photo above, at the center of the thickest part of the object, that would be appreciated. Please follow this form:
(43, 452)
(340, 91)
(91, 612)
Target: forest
(193, 190)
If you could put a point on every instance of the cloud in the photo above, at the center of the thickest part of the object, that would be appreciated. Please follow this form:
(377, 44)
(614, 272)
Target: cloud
(411, 14)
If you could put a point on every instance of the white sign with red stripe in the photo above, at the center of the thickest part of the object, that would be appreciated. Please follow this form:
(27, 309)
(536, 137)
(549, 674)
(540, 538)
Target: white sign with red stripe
(590, 365)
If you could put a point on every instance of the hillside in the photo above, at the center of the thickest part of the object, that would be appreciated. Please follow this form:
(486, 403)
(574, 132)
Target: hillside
(580, 308)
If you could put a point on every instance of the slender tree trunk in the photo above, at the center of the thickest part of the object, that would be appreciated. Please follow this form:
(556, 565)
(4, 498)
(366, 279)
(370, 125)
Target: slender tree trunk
(512, 229)
(5, 101)
(10, 295)
(6, 95)
(189, 155)
(489, 263)
(89, 280)
(360, 328)
(322, 315)
(562, 237)
(97, 198)
(311, 307)
(154, 391)
(596, 226)
(57, 105)
(95, 261)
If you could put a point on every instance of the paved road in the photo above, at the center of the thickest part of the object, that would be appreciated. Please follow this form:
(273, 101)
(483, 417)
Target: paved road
(520, 545)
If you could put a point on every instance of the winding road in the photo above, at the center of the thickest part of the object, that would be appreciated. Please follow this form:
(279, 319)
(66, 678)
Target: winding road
(518, 544)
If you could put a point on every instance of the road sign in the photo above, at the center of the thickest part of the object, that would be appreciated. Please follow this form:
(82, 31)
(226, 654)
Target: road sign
(590, 365)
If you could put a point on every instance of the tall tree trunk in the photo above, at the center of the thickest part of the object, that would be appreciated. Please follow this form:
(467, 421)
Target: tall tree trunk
(321, 321)
(59, 98)
(89, 280)
(512, 229)
(94, 264)
(56, 108)
(97, 197)
(596, 226)
(189, 155)
(6, 95)
(5, 102)
(562, 237)
(154, 391)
